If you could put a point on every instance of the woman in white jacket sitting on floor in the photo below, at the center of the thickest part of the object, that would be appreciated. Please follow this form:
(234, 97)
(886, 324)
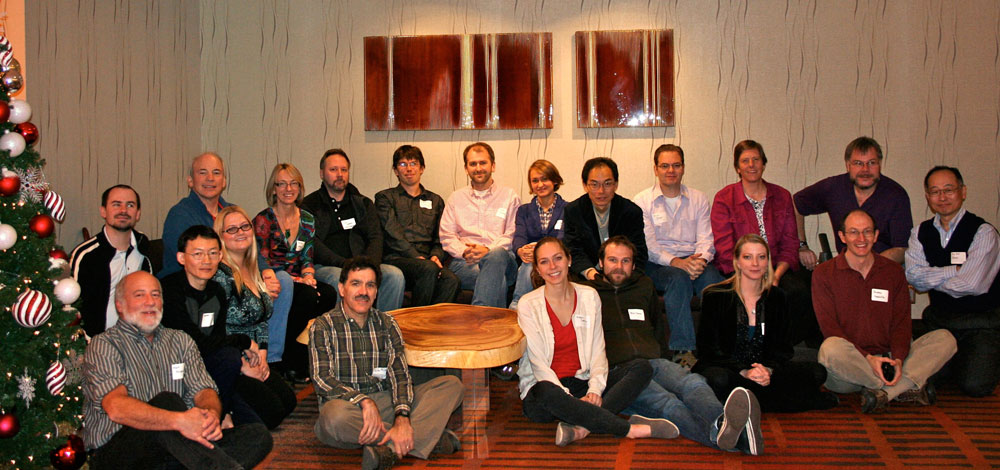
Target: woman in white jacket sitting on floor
(564, 372)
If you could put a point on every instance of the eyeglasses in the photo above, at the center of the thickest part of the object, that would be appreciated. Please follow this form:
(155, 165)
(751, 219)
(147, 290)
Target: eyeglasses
(667, 166)
(868, 233)
(596, 185)
(200, 255)
(287, 184)
(246, 227)
(947, 192)
(403, 165)
(869, 164)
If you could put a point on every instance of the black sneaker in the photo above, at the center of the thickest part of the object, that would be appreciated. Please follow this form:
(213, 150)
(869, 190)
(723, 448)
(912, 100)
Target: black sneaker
(874, 401)
(735, 414)
(447, 444)
(377, 458)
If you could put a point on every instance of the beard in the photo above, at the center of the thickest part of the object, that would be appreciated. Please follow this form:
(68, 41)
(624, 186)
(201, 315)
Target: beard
(872, 185)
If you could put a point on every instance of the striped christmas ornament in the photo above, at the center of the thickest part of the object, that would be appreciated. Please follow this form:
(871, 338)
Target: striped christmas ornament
(55, 378)
(54, 203)
(7, 55)
(32, 308)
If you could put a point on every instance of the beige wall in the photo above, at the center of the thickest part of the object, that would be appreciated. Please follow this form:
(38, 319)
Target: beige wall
(118, 88)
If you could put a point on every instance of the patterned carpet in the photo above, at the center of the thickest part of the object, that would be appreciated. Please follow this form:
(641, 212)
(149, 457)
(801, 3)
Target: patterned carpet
(958, 432)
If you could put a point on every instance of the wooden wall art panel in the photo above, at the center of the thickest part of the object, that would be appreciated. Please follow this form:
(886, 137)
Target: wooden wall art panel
(458, 81)
(625, 78)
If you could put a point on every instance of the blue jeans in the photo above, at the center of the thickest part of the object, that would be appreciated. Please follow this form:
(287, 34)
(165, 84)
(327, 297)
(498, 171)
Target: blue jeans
(523, 284)
(390, 292)
(682, 397)
(278, 323)
(677, 289)
(489, 278)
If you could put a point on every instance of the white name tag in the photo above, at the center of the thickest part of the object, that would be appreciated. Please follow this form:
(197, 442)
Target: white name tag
(558, 225)
(425, 204)
(348, 223)
(957, 257)
(659, 218)
(502, 212)
(880, 295)
(379, 373)
(207, 319)
(299, 245)
(177, 371)
(582, 321)
(636, 314)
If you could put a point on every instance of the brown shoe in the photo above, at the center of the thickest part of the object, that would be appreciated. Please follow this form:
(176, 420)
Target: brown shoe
(447, 444)
(925, 395)
(874, 401)
(377, 458)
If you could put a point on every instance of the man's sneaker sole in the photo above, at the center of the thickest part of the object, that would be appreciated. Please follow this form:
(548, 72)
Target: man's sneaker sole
(736, 414)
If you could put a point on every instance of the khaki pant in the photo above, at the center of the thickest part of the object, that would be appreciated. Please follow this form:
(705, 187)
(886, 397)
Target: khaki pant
(848, 370)
(340, 422)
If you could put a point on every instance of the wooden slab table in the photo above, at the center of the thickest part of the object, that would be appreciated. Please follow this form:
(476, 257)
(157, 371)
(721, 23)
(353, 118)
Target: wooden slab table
(467, 337)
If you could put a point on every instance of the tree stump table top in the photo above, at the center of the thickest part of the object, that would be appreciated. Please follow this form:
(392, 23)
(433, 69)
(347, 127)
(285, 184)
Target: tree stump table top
(460, 336)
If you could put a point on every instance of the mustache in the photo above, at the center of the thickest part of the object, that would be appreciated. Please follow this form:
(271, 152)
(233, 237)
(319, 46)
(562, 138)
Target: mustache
(362, 297)
(618, 271)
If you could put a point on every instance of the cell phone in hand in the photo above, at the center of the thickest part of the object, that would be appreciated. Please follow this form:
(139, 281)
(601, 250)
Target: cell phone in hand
(888, 371)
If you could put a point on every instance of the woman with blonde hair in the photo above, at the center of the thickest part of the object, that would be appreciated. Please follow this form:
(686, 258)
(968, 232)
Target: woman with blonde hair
(248, 307)
(743, 337)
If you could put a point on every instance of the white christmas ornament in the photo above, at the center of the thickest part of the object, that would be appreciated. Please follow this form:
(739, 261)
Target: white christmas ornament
(55, 378)
(54, 203)
(32, 308)
(7, 173)
(8, 236)
(67, 290)
(57, 263)
(20, 111)
(12, 142)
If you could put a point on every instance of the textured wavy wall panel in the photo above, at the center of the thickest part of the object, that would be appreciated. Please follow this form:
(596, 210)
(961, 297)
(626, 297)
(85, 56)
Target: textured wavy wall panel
(117, 96)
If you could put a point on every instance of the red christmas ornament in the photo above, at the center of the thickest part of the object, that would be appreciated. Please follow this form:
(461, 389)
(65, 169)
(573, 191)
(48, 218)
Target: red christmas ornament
(9, 425)
(69, 456)
(54, 203)
(55, 378)
(58, 254)
(29, 131)
(4, 111)
(42, 225)
(9, 185)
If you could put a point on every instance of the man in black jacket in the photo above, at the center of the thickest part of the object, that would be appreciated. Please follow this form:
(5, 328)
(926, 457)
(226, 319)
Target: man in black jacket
(99, 263)
(347, 225)
(633, 325)
(196, 305)
(599, 215)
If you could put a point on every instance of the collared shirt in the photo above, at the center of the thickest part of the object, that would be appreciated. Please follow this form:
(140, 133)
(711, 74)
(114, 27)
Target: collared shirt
(733, 216)
(889, 205)
(982, 262)
(410, 222)
(544, 215)
(121, 264)
(346, 358)
(682, 232)
(871, 312)
(187, 212)
(122, 355)
(480, 217)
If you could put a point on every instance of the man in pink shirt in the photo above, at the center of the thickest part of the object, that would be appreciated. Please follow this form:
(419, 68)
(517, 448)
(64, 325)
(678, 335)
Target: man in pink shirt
(477, 228)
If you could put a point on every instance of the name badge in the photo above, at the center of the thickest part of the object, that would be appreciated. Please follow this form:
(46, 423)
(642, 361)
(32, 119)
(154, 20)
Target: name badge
(636, 314)
(379, 373)
(502, 212)
(207, 319)
(957, 257)
(177, 371)
(299, 245)
(558, 225)
(880, 295)
(582, 321)
(659, 218)
(425, 204)
(348, 223)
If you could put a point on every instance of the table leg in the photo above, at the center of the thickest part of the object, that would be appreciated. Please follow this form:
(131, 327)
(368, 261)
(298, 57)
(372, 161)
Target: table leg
(475, 406)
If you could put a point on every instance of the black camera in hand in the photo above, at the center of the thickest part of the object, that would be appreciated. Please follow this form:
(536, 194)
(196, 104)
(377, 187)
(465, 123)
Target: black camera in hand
(888, 371)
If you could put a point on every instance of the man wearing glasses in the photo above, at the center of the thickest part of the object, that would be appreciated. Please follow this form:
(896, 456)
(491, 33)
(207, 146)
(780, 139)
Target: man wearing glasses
(410, 217)
(196, 305)
(678, 230)
(101, 262)
(955, 256)
(347, 226)
(601, 214)
(862, 303)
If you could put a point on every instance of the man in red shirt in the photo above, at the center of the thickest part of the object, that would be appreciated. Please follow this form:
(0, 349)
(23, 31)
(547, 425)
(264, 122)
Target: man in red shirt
(863, 308)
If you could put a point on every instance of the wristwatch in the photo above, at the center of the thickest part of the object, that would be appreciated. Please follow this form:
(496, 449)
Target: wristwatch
(803, 244)
(403, 413)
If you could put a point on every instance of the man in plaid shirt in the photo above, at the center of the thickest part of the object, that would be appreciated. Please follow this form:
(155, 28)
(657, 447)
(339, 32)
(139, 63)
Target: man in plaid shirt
(366, 397)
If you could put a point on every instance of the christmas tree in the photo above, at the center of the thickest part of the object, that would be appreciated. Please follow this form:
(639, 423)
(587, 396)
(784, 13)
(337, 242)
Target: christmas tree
(41, 403)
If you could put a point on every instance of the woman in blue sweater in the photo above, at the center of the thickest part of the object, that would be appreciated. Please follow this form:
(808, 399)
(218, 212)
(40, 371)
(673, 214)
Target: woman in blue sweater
(542, 217)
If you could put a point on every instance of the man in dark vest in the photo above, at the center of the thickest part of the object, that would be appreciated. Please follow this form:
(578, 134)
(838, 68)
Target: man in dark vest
(955, 256)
